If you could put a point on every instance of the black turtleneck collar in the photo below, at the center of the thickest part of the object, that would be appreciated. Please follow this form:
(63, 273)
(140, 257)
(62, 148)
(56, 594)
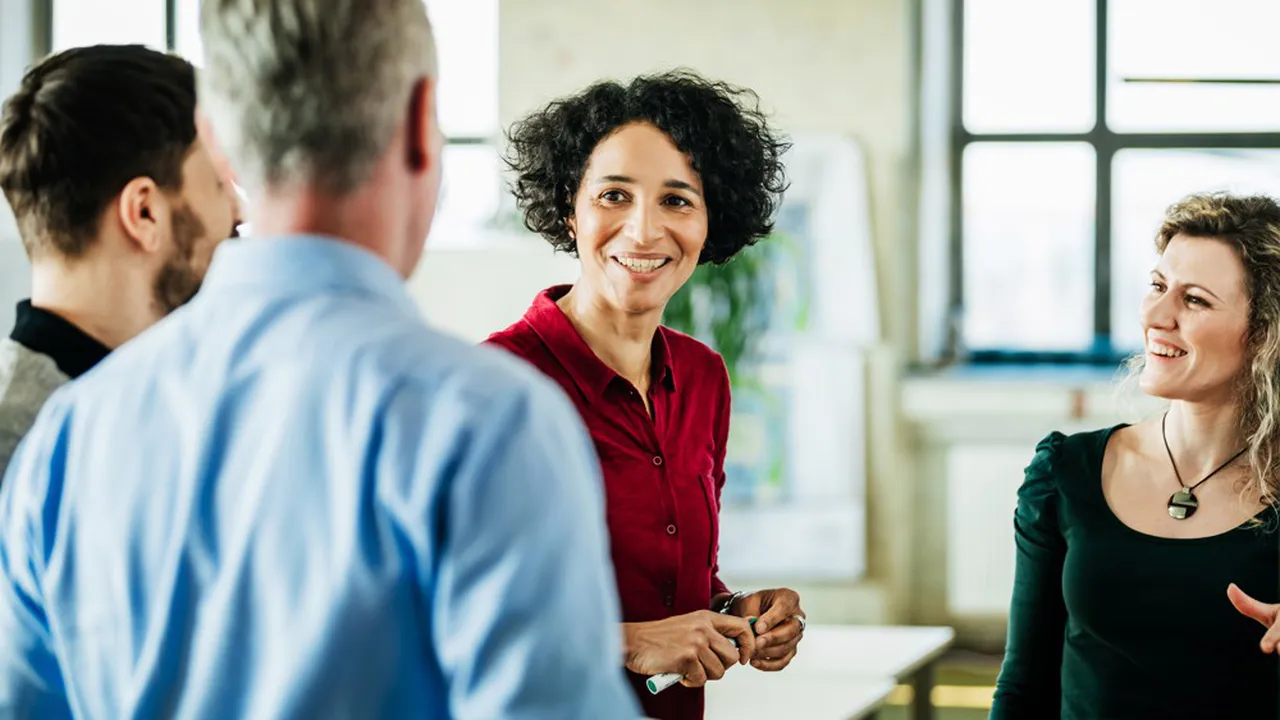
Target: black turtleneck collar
(71, 348)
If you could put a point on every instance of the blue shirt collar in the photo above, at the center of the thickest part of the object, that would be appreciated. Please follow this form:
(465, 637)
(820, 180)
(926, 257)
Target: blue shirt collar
(304, 263)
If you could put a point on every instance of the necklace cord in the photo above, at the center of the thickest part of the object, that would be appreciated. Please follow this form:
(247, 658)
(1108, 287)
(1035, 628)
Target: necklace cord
(1165, 437)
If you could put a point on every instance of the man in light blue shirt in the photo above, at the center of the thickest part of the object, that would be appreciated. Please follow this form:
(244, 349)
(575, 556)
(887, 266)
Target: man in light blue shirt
(291, 499)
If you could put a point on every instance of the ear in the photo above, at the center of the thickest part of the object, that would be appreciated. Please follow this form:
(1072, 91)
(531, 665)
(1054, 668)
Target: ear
(421, 127)
(571, 223)
(139, 207)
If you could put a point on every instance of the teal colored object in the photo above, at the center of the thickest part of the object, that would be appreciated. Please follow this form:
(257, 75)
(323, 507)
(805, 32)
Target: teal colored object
(662, 681)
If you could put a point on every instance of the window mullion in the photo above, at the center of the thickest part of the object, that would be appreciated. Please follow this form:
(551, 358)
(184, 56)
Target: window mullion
(171, 25)
(1104, 150)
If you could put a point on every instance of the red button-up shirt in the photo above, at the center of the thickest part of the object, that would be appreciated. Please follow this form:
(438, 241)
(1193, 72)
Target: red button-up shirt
(662, 473)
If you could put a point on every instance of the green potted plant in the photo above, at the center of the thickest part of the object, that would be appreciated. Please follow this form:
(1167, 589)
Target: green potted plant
(721, 305)
(731, 308)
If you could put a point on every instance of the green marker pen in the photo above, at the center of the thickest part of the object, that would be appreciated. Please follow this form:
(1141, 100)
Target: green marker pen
(662, 681)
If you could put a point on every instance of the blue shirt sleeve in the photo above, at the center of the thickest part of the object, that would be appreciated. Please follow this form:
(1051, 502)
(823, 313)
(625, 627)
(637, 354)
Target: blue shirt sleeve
(525, 614)
(31, 683)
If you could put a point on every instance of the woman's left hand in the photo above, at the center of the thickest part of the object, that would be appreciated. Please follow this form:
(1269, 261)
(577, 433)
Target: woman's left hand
(779, 626)
(1260, 611)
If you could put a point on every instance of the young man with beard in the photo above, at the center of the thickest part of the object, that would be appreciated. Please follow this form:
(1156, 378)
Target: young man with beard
(119, 206)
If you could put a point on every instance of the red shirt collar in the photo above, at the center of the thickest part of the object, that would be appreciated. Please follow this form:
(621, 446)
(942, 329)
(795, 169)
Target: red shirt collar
(589, 373)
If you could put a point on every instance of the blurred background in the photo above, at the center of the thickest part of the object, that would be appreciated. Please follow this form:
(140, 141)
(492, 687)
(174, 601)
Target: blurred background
(956, 270)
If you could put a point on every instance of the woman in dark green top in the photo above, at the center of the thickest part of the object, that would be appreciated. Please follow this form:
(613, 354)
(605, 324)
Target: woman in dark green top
(1134, 542)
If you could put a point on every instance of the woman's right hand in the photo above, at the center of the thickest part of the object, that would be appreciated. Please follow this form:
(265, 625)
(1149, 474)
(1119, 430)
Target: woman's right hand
(698, 645)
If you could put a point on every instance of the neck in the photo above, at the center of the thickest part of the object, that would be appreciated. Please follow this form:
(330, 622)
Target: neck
(366, 218)
(621, 340)
(111, 302)
(1202, 436)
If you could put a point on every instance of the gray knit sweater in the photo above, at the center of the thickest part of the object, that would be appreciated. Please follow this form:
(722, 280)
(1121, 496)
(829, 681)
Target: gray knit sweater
(27, 379)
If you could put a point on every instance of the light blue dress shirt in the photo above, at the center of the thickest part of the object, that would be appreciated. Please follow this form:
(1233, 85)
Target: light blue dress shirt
(291, 499)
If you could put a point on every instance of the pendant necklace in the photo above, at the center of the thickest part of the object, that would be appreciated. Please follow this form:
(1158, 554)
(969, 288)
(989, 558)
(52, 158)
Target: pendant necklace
(1183, 504)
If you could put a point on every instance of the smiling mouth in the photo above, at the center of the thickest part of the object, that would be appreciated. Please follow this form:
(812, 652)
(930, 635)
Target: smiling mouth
(1160, 349)
(642, 265)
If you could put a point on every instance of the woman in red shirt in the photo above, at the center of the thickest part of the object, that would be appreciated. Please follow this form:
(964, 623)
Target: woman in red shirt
(642, 182)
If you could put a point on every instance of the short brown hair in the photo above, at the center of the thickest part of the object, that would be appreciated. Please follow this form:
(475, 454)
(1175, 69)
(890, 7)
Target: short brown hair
(83, 124)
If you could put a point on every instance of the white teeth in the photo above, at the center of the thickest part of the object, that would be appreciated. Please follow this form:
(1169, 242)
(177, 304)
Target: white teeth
(641, 265)
(1157, 348)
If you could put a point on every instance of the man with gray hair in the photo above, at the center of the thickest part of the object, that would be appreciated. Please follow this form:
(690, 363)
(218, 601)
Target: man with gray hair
(290, 498)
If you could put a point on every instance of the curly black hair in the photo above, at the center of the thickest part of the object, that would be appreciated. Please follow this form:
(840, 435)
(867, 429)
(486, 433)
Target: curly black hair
(719, 126)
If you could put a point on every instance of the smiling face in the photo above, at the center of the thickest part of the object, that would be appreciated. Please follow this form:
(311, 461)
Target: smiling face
(1195, 320)
(639, 220)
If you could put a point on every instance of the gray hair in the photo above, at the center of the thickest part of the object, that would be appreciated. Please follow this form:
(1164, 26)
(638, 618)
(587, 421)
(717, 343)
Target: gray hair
(310, 92)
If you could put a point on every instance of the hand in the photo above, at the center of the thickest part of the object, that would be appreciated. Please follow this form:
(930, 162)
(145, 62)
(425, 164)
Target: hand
(1260, 611)
(698, 645)
(778, 633)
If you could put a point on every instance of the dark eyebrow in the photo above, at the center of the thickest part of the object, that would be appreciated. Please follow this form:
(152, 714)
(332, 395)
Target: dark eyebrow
(1201, 288)
(682, 185)
(674, 184)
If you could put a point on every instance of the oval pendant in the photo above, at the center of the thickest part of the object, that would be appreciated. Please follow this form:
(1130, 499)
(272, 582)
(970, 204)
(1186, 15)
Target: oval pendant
(1182, 505)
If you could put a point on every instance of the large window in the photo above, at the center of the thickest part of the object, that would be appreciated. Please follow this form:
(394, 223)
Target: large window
(1074, 124)
(91, 22)
(467, 49)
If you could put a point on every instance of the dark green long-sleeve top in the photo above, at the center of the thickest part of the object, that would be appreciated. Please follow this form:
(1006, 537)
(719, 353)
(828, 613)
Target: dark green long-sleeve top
(1108, 623)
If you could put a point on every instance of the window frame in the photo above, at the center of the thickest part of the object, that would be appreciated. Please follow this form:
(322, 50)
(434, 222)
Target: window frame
(1105, 143)
(489, 140)
(171, 45)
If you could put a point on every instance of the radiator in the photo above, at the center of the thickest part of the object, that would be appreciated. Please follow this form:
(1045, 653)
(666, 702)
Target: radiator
(982, 487)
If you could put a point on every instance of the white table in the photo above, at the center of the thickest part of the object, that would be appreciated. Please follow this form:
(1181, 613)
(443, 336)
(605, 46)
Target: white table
(748, 694)
(862, 653)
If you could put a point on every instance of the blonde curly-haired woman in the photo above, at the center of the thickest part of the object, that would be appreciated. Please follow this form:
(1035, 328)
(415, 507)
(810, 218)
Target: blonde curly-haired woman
(1141, 548)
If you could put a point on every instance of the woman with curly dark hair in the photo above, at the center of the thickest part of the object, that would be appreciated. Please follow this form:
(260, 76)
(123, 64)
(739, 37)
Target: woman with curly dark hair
(642, 182)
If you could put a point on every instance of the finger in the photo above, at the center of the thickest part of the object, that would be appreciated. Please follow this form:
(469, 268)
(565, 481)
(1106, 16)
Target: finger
(1271, 639)
(712, 664)
(694, 675)
(783, 605)
(772, 651)
(725, 649)
(785, 633)
(738, 629)
(773, 665)
(1249, 607)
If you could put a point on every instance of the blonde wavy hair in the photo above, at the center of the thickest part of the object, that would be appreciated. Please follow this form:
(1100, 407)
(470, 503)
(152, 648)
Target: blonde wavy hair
(1251, 225)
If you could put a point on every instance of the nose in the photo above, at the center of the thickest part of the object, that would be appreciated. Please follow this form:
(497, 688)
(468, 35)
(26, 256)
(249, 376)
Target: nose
(644, 224)
(1158, 311)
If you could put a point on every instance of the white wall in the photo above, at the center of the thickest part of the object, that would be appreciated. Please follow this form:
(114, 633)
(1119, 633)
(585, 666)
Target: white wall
(15, 278)
(474, 292)
(15, 55)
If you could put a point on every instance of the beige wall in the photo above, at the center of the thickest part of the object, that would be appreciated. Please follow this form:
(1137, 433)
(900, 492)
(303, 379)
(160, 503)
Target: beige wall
(819, 65)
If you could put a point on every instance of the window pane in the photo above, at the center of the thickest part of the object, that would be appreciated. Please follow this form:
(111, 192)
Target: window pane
(1029, 66)
(186, 40)
(1028, 246)
(1182, 40)
(469, 194)
(466, 34)
(1146, 182)
(119, 22)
